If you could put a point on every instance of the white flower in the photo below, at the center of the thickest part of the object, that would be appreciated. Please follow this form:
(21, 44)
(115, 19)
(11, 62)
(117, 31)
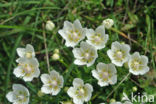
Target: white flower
(85, 55)
(105, 74)
(72, 33)
(80, 92)
(52, 83)
(27, 52)
(50, 25)
(97, 38)
(138, 64)
(119, 53)
(19, 95)
(27, 69)
(108, 23)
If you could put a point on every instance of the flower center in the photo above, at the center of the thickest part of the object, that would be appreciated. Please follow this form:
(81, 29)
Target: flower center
(119, 54)
(135, 65)
(74, 35)
(87, 56)
(54, 83)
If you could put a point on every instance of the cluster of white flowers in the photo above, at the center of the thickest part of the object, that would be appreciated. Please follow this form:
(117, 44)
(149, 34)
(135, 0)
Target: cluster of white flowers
(28, 65)
(86, 54)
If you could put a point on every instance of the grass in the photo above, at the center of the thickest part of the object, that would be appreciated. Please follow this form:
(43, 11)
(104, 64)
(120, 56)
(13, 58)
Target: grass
(21, 23)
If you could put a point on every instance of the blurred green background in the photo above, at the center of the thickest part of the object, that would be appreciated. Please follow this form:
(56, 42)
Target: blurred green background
(21, 23)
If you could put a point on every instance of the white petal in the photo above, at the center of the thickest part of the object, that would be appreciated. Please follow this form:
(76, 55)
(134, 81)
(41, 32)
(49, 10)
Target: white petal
(54, 73)
(110, 54)
(115, 45)
(61, 81)
(20, 52)
(45, 78)
(70, 44)
(34, 62)
(29, 48)
(46, 89)
(117, 63)
(125, 47)
(102, 84)
(89, 33)
(95, 74)
(71, 91)
(18, 72)
(77, 52)
(89, 87)
(100, 29)
(68, 25)
(144, 59)
(113, 80)
(112, 68)
(133, 72)
(144, 70)
(100, 66)
(78, 82)
(37, 73)
(10, 96)
(55, 92)
(63, 34)
(135, 55)
(79, 62)
(77, 101)
(89, 92)
(28, 78)
(77, 24)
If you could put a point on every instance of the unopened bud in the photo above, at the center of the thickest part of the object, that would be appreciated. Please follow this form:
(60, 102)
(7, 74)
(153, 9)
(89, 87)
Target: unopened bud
(108, 23)
(135, 88)
(50, 25)
(55, 56)
(56, 51)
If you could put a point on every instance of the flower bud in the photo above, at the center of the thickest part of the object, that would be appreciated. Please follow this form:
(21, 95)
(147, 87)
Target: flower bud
(108, 23)
(112, 100)
(56, 51)
(55, 56)
(135, 88)
(50, 25)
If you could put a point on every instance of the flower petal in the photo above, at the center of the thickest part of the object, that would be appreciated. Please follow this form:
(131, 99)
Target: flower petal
(78, 82)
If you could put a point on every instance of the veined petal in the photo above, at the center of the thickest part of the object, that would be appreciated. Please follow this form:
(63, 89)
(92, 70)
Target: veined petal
(45, 78)
(78, 82)
(71, 92)
(10, 96)
(20, 52)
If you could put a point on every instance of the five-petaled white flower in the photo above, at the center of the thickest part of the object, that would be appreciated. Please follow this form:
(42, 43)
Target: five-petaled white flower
(52, 83)
(138, 64)
(105, 74)
(119, 53)
(97, 38)
(85, 55)
(27, 69)
(19, 95)
(80, 92)
(27, 52)
(72, 33)
(108, 23)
